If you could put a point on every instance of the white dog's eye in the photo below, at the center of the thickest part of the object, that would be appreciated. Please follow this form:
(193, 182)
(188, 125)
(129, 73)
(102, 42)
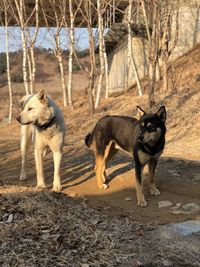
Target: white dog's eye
(30, 109)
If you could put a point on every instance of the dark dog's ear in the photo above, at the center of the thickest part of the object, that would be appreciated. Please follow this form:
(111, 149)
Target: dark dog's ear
(42, 97)
(140, 112)
(162, 113)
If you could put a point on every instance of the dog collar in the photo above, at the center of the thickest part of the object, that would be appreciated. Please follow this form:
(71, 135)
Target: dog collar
(152, 150)
(46, 125)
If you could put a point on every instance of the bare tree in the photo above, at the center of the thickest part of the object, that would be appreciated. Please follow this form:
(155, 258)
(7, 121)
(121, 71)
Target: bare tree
(6, 23)
(153, 43)
(71, 53)
(131, 60)
(101, 50)
(19, 6)
(170, 13)
(87, 15)
(32, 41)
(106, 70)
(57, 10)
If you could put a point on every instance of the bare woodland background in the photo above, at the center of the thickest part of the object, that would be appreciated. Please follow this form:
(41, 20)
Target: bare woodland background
(158, 21)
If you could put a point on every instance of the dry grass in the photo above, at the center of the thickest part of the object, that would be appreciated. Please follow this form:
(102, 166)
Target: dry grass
(50, 229)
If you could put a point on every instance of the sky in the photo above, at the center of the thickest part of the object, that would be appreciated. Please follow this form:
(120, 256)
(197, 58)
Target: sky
(44, 39)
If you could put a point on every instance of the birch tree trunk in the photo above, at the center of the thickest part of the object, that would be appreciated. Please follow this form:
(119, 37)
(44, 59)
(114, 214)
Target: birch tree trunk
(153, 53)
(101, 53)
(20, 18)
(32, 52)
(30, 71)
(63, 80)
(24, 66)
(130, 51)
(153, 46)
(58, 54)
(167, 44)
(33, 69)
(8, 65)
(146, 20)
(58, 10)
(106, 70)
(71, 53)
(129, 44)
(92, 72)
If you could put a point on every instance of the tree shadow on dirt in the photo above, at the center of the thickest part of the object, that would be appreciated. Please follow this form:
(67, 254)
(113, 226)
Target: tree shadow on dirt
(84, 171)
(81, 169)
(77, 168)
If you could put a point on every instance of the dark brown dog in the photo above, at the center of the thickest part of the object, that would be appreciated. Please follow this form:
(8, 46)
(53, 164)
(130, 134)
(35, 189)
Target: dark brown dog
(144, 139)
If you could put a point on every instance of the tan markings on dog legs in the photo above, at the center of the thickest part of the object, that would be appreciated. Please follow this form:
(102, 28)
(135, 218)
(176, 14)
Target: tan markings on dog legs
(139, 190)
(152, 167)
(98, 170)
(39, 167)
(57, 160)
(26, 134)
(106, 154)
(111, 154)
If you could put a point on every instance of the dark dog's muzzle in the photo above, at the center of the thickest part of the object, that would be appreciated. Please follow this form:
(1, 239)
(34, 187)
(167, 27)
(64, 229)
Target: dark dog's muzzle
(141, 138)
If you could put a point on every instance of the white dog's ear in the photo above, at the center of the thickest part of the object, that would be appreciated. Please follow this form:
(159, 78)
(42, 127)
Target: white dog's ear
(140, 112)
(42, 97)
(22, 102)
(162, 113)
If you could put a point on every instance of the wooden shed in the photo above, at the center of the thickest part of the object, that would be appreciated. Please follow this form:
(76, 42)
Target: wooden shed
(117, 45)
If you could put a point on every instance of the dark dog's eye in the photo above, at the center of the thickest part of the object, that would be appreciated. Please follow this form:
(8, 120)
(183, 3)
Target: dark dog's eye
(151, 128)
(142, 125)
(30, 109)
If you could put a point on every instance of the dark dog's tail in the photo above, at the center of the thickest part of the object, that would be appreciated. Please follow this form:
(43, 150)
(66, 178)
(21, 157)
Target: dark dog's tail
(88, 140)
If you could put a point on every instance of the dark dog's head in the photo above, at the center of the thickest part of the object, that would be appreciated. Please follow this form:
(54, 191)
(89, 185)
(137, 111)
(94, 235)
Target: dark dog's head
(151, 126)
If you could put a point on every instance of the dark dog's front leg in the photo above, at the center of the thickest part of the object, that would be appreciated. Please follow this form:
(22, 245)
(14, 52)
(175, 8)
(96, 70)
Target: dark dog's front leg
(152, 168)
(139, 184)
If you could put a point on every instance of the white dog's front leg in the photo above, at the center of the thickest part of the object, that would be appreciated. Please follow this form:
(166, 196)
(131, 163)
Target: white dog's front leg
(26, 133)
(39, 167)
(57, 160)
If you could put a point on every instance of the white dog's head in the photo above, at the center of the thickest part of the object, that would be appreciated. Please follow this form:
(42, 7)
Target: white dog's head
(36, 110)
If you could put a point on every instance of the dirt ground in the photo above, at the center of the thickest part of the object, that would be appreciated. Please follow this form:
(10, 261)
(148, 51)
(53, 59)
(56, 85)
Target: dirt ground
(106, 227)
(178, 177)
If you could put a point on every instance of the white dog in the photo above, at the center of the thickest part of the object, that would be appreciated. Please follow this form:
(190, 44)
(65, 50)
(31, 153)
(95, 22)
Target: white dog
(41, 118)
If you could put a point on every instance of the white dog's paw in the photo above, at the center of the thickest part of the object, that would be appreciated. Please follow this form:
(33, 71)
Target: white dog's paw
(142, 203)
(154, 191)
(22, 177)
(41, 186)
(57, 188)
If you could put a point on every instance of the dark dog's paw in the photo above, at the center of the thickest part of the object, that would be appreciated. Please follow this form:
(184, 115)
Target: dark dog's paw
(103, 186)
(142, 203)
